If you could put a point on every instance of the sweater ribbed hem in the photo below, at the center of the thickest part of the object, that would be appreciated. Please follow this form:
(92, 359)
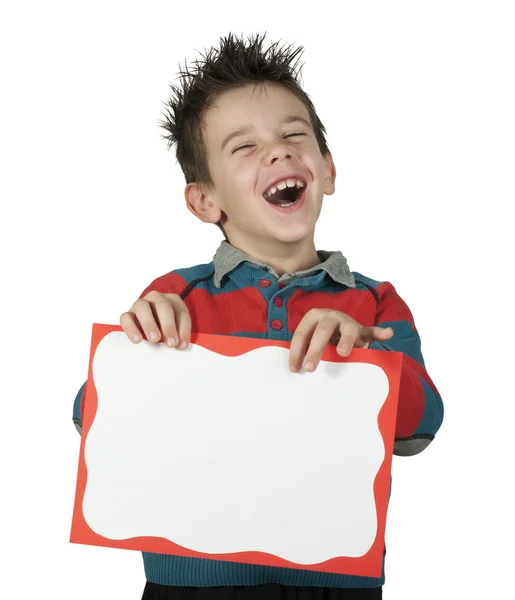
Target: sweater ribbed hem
(171, 570)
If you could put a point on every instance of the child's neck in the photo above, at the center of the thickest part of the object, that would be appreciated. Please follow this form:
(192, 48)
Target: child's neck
(283, 258)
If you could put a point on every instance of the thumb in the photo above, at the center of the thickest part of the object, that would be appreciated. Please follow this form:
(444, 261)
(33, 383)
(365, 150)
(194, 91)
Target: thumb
(383, 331)
(370, 334)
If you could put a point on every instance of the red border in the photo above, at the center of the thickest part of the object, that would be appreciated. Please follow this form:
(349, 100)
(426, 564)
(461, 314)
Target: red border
(368, 565)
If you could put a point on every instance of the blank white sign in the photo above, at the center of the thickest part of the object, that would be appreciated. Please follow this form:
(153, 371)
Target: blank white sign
(230, 454)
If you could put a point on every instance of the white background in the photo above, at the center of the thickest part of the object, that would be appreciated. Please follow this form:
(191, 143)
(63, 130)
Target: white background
(417, 98)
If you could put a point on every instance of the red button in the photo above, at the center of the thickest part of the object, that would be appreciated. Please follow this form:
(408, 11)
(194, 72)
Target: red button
(276, 324)
(265, 283)
(278, 301)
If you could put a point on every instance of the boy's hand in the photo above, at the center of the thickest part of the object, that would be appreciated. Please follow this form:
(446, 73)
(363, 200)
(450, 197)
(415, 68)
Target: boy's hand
(323, 326)
(158, 314)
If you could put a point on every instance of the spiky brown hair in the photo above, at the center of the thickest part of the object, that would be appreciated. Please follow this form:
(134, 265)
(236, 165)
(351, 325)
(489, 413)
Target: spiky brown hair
(235, 63)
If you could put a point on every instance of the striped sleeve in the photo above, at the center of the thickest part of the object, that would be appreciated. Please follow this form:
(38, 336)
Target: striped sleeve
(78, 408)
(420, 409)
(171, 283)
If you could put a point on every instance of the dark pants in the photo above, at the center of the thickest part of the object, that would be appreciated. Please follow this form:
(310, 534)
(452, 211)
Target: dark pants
(269, 591)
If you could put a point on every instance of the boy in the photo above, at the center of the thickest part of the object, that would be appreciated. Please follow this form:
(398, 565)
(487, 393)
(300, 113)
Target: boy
(256, 163)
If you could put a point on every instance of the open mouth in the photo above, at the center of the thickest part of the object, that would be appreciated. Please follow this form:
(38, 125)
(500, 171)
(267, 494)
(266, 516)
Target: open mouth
(286, 193)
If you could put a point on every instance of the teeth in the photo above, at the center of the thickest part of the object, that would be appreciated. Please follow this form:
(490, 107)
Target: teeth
(284, 184)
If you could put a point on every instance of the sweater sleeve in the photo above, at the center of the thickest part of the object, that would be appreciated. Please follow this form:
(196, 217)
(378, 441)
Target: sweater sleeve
(171, 283)
(78, 408)
(420, 408)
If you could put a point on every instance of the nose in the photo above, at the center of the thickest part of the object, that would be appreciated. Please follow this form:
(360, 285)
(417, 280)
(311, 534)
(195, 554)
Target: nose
(277, 152)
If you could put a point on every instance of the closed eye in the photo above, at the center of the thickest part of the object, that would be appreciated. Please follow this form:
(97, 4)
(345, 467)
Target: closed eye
(241, 147)
(251, 145)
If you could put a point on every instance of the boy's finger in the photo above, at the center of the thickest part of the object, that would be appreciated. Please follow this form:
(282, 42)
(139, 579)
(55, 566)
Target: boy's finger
(300, 342)
(370, 334)
(379, 333)
(321, 337)
(142, 309)
(182, 321)
(349, 333)
(346, 343)
(130, 327)
(166, 320)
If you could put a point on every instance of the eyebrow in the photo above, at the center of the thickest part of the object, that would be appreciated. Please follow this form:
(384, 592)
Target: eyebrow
(243, 130)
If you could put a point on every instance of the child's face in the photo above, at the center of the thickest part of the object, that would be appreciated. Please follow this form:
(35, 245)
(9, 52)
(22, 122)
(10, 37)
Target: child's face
(244, 166)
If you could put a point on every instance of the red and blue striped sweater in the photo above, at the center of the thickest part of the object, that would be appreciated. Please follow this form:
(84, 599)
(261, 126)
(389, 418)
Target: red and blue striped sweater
(233, 295)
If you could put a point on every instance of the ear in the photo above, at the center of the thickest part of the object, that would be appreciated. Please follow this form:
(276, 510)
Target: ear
(199, 201)
(330, 174)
